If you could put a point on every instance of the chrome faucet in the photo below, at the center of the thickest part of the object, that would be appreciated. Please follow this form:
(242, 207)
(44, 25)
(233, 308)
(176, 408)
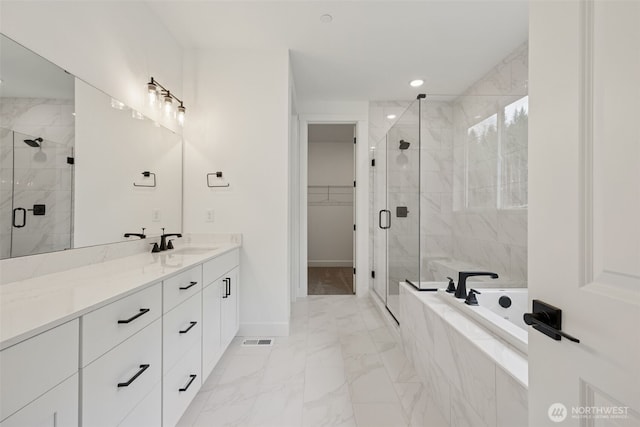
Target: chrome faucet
(461, 290)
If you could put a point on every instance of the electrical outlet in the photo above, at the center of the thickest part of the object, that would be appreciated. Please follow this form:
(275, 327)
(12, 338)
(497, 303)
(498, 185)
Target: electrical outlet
(209, 215)
(155, 215)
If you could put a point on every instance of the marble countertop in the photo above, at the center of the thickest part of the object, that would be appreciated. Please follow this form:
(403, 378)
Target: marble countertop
(29, 307)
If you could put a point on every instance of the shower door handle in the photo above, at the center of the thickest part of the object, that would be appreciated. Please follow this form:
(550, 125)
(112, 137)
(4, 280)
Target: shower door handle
(388, 219)
(24, 217)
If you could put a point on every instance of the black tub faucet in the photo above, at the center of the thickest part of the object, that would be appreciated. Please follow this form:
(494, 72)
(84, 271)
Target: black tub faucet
(461, 290)
(163, 240)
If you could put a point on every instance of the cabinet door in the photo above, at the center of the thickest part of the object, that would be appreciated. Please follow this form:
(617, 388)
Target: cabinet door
(230, 305)
(56, 408)
(211, 343)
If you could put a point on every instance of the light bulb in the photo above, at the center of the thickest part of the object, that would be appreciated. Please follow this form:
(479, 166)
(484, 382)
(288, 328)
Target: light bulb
(168, 104)
(416, 83)
(153, 92)
(391, 116)
(180, 115)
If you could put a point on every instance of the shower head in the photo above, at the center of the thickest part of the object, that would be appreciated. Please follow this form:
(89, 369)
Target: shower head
(404, 144)
(35, 143)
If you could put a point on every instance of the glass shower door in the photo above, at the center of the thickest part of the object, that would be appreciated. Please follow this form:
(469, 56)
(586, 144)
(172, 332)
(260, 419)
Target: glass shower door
(37, 179)
(403, 205)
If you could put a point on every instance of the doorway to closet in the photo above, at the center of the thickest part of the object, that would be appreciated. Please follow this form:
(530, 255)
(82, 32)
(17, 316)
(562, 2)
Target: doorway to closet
(331, 209)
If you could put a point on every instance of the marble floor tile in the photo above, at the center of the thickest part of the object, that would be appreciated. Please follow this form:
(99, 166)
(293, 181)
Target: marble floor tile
(379, 415)
(340, 366)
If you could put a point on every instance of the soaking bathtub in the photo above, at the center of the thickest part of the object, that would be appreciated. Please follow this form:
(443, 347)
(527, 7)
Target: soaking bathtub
(505, 320)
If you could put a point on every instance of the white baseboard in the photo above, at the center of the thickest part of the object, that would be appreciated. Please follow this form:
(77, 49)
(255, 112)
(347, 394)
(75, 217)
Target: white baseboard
(330, 263)
(266, 329)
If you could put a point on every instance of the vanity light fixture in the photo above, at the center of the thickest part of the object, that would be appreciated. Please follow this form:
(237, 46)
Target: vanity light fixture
(416, 83)
(156, 90)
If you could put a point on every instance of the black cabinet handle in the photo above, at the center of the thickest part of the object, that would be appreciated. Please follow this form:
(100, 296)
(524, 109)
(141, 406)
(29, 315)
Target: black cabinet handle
(24, 217)
(131, 319)
(228, 289)
(184, 288)
(185, 388)
(133, 378)
(226, 284)
(192, 324)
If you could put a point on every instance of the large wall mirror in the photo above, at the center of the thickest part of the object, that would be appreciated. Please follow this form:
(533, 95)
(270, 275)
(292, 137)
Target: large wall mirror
(78, 168)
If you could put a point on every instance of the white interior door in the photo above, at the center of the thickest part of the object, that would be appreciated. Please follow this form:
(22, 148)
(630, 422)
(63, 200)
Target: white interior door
(584, 213)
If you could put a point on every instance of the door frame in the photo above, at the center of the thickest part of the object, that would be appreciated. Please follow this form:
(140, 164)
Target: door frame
(361, 244)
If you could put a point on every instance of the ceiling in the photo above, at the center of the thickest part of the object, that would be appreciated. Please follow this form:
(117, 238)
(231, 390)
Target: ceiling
(25, 74)
(371, 49)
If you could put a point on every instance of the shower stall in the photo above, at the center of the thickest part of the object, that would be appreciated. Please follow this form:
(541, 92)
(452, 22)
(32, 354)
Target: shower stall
(36, 194)
(448, 192)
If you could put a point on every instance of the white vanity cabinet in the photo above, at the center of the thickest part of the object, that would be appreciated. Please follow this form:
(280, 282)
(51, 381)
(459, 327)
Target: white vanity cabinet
(220, 307)
(39, 380)
(182, 343)
(230, 306)
(115, 383)
(136, 361)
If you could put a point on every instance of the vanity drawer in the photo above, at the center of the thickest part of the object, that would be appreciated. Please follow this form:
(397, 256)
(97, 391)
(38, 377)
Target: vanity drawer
(56, 408)
(117, 382)
(148, 413)
(213, 269)
(180, 287)
(181, 329)
(32, 367)
(106, 327)
(180, 386)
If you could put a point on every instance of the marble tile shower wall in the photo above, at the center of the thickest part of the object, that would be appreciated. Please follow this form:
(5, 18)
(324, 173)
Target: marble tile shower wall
(490, 171)
(436, 185)
(36, 175)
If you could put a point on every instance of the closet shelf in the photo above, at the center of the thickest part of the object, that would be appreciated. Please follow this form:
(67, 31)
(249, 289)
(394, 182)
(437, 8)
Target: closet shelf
(330, 195)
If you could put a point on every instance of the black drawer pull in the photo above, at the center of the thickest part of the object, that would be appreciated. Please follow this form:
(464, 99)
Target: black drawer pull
(189, 328)
(131, 319)
(193, 377)
(228, 279)
(133, 378)
(184, 288)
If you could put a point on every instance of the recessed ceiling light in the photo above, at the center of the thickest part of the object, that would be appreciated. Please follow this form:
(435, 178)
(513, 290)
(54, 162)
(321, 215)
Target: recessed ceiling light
(391, 116)
(416, 83)
(326, 18)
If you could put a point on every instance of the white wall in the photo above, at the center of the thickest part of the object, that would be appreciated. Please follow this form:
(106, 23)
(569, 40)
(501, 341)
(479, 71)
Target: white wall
(114, 46)
(330, 222)
(240, 126)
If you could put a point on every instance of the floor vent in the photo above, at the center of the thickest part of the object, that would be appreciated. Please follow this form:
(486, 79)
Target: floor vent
(256, 342)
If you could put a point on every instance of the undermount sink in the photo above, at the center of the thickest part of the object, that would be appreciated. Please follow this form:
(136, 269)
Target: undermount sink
(194, 251)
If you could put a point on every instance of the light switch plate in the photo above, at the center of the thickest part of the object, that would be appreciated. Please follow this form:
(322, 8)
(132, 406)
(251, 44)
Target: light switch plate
(209, 215)
(155, 215)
